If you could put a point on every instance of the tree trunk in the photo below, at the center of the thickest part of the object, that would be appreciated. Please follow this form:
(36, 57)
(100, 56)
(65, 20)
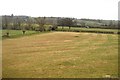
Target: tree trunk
(62, 27)
(69, 27)
(23, 32)
(7, 34)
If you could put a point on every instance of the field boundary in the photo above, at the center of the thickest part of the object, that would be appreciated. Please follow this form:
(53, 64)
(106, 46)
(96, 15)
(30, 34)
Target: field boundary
(89, 31)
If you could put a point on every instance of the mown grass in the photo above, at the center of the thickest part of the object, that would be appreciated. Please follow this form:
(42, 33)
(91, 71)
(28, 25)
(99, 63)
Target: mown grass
(61, 55)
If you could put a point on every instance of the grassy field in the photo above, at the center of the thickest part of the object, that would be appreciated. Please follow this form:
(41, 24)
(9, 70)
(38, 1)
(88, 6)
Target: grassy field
(61, 55)
(89, 29)
(17, 33)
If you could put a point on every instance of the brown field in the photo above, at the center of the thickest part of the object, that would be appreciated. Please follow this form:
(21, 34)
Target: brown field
(61, 54)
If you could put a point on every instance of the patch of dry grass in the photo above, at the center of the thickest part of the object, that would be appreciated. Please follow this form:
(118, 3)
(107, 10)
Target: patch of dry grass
(61, 54)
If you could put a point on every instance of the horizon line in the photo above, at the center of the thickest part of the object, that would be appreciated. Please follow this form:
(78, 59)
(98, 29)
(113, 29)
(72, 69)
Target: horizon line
(59, 16)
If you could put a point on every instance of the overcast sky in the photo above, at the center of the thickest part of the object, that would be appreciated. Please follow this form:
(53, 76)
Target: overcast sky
(92, 9)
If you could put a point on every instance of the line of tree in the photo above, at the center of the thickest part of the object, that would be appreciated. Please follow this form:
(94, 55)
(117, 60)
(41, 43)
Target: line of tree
(67, 22)
(39, 23)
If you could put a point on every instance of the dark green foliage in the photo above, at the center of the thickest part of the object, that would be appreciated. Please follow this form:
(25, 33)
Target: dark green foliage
(66, 22)
(24, 31)
(104, 31)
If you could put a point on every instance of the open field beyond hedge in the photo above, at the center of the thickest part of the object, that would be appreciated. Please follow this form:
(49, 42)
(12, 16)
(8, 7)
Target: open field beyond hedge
(61, 55)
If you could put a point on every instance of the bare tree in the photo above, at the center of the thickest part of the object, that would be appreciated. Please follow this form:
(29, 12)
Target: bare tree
(54, 24)
(24, 26)
(6, 21)
(111, 24)
(6, 25)
(30, 23)
(17, 23)
(83, 24)
(41, 22)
